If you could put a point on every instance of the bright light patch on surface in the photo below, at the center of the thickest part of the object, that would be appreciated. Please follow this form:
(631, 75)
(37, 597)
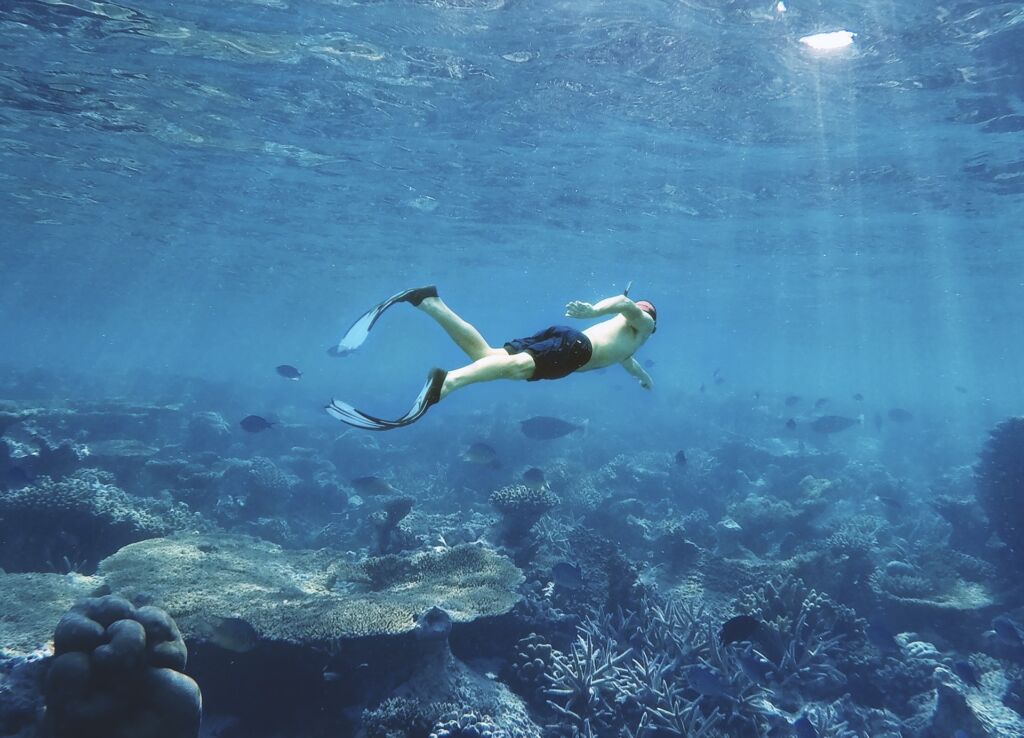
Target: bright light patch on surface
(828, 41)
(780, 7)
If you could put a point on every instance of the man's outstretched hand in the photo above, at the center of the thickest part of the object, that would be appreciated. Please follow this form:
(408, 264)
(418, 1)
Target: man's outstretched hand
(579, 309)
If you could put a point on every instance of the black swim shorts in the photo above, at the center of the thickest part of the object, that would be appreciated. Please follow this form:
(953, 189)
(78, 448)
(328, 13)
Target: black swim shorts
(557, 351)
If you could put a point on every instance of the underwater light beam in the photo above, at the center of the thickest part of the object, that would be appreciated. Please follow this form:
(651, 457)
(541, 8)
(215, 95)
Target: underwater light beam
(832, 41)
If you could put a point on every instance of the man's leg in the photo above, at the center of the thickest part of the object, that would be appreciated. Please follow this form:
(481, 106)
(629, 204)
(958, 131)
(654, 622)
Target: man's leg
(500, 365)
(465, 335)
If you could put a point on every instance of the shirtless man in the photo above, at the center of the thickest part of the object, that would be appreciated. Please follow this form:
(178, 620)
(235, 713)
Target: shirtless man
(551, 354)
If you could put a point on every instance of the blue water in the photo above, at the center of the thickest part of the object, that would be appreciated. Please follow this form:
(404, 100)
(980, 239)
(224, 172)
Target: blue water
(206, 188)
(209, 189)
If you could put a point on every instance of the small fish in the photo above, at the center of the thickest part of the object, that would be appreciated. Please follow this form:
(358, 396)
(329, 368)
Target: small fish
(965, 670)
(804, 728)
(648, 363)
(739, 628)
(715, 373)
(757, 668)
(893, 503)
(961, 389)
(534, 478)
(482, 454)
(1007, 630)
(706, 681)
(899, 415)
(289, 372)
(545, 428)
(255, 424)
(858, 397)
(820, 403)
(567, 575)
(681, 457)
(372, 486)
(827, 424)
(792, 400)
(791, 424)
(231, 634)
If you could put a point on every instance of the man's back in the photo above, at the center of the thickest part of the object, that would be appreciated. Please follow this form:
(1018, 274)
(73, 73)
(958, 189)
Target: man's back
(614, 340)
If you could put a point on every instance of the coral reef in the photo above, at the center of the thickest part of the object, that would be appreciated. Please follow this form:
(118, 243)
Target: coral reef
(78, 520)
(117, 672)
(520, 507)
(467, 725)
(999, 478)
(441, 685)
(309, 596)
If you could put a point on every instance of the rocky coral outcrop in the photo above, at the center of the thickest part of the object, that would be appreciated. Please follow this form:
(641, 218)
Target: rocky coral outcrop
(999, 478)
(80, 519)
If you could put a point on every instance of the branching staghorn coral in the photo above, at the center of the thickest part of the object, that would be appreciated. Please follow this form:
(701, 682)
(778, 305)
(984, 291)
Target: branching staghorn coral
(584, 681)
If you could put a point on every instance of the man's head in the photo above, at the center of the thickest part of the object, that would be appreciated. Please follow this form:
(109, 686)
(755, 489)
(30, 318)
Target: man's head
(648, 307)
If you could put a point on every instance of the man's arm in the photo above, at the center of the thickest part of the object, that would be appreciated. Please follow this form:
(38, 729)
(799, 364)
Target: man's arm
(607, 306)
(632, 366)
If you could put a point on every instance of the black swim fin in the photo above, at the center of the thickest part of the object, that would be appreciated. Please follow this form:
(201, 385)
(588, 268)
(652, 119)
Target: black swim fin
(360, 330)
(428, 396)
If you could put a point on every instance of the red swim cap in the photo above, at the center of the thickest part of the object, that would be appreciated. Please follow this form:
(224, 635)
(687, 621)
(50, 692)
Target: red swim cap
(648, 308)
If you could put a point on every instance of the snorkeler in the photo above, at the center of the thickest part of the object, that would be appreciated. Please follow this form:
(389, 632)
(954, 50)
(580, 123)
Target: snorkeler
(553, 353)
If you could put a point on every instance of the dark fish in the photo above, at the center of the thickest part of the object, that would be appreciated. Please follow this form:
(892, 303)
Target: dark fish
(255, 424)
(372, 486)
(717, 370)
(534, 478)
(961, 389)
(757, 668)
(289, 372)
(545, 428)
(965, 670)
(820, 403)
(739, 628)
(833, 424)
(482, 454)
(567, 575)
(858, 397)
(804, 728)
(231, 634)
(792, 400)
(1007, 630)
(681, 457)
(706, 681)
(899, 415)
(648, 363)
(791, 424)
